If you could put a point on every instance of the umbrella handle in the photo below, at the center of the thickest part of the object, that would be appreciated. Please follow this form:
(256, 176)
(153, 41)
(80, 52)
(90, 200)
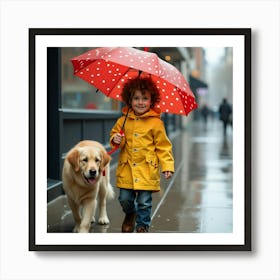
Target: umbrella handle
(121, 133)
(116, 146)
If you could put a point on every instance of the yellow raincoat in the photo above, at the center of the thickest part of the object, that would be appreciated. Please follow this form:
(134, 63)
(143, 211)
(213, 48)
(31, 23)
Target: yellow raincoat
(144, 149)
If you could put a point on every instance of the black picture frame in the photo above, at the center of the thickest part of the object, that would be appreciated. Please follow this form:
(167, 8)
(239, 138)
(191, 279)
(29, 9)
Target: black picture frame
(34, 33)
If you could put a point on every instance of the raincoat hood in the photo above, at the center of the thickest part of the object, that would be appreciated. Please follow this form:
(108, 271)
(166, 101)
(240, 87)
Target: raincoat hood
(153, 112)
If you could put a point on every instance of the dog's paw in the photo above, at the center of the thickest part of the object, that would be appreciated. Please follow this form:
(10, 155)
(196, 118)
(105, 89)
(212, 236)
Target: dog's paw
(103, 221)
(76, 229)
(93, 220)
(84, 230)
(81, 229)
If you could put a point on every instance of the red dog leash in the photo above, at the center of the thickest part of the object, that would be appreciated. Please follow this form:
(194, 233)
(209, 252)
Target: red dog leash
(113, 150)
(122, 134)
(117, 146)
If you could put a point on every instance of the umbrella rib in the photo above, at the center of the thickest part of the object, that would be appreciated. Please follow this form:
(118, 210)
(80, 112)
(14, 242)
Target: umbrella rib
(119, 80)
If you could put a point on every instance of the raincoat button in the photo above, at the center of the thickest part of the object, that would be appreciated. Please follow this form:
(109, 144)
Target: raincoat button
(136, 180)
(136, 134)
(134, 164)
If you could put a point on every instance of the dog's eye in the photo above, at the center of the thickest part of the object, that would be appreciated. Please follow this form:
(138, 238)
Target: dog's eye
(97, 160)
(85, 159)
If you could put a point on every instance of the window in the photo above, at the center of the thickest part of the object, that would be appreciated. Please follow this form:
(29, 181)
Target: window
(78, 94)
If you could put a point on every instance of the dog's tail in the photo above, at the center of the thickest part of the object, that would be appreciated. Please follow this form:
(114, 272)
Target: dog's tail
(110, 192)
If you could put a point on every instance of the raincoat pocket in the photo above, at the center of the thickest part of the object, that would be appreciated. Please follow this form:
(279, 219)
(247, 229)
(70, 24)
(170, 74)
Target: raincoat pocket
(153, 164)
(120, 172)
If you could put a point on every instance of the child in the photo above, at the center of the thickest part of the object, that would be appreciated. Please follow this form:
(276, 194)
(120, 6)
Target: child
(144, 147)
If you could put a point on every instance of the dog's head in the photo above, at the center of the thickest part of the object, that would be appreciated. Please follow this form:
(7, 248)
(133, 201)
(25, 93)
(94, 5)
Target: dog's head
(89, 161)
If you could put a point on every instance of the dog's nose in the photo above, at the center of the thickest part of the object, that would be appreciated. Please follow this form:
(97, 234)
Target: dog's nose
(92, 173)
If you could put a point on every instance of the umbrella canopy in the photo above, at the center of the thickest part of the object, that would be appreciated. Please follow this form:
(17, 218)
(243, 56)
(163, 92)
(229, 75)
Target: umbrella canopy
(108, 69)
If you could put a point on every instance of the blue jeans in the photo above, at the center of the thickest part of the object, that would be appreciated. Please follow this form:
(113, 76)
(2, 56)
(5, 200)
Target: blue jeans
(139, 202)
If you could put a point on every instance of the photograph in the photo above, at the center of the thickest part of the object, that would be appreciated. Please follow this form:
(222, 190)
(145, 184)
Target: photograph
(140, 131)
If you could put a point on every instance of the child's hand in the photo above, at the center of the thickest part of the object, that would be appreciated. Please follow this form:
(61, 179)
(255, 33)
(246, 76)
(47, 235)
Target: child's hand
(118, 138)
(167, 174)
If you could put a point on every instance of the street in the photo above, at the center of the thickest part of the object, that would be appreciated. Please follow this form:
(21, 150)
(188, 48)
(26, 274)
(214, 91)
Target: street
(197, 199)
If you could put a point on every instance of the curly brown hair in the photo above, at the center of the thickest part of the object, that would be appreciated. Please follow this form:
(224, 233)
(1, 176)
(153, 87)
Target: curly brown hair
(144, 84)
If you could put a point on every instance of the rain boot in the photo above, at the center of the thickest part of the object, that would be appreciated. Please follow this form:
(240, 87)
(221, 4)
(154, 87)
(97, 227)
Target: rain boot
(129, 222)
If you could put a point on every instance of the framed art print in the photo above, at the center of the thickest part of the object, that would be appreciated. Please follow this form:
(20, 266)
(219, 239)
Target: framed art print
(206, 204)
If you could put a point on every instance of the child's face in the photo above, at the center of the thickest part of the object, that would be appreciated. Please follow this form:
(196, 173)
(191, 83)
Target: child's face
(140, 102)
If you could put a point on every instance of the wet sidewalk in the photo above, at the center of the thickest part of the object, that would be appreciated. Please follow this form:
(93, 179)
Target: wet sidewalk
(197, 199)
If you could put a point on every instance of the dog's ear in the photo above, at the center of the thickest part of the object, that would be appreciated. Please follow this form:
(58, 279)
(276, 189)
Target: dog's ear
(73, 158)
(105, 160)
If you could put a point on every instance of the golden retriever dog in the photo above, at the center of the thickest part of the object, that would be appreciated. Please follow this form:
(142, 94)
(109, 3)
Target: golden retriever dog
(86, 179)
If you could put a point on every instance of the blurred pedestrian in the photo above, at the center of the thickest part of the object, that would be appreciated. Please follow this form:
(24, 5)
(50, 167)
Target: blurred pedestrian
(144, 147)
(225, 112)
(205, 113)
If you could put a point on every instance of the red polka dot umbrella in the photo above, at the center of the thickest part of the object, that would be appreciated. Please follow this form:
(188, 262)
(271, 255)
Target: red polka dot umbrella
(109, 68)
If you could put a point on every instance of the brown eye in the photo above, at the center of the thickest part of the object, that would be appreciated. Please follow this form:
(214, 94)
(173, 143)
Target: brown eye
(97, 160)
(85, 159)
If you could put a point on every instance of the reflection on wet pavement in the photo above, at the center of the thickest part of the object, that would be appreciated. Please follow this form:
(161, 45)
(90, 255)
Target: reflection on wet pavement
(198, 198)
